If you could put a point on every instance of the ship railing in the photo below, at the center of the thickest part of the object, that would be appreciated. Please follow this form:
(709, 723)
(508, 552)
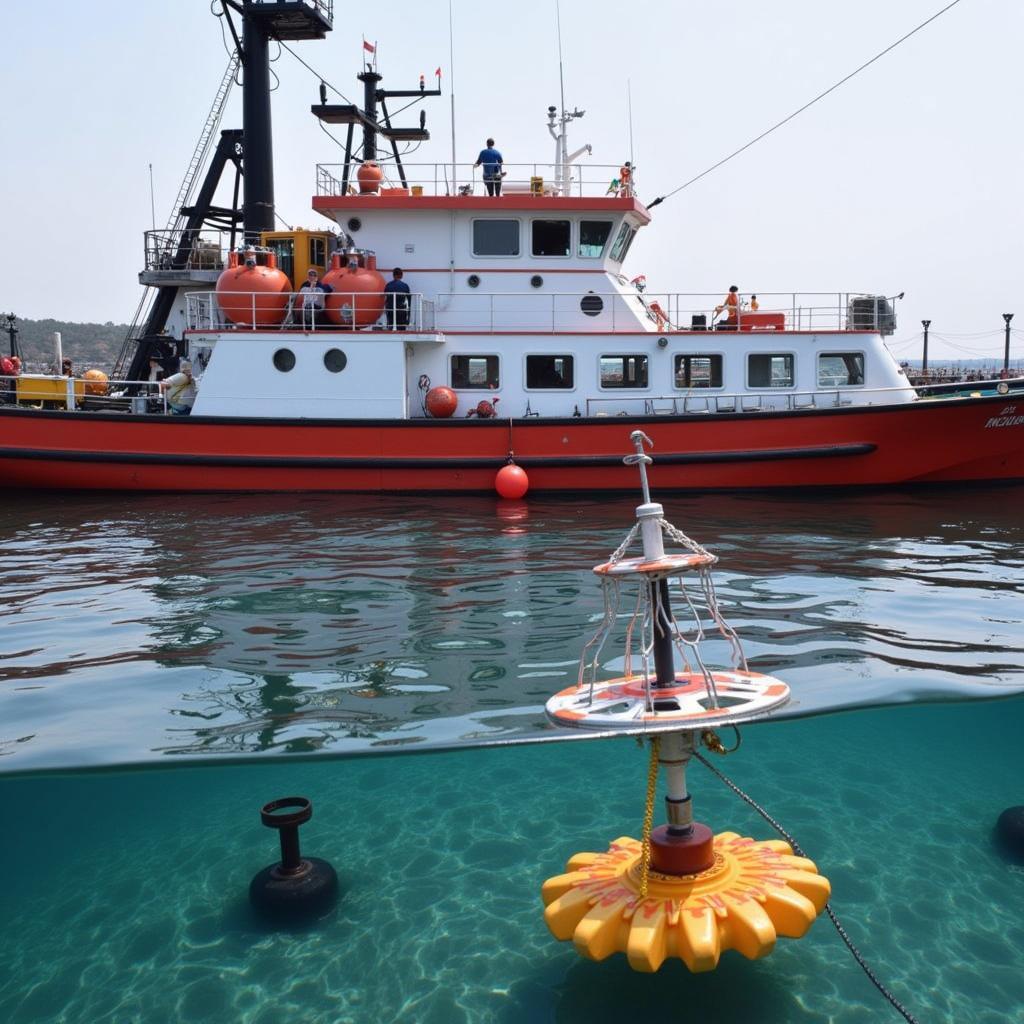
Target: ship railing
(324, 7)
(775, 311)
(557, 312)
(285, 311)
(50, 390)
(633, 312)
(188, 249)
(697, 401)
(540, 179)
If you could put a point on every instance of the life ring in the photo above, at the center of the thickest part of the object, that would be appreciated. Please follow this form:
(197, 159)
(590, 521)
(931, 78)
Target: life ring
(630, 703)
(659, 315)
(752, 893)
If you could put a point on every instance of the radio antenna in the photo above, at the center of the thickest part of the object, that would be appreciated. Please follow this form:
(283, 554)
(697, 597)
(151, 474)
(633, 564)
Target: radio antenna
(451, 85)
(629, 104)
(561, 75)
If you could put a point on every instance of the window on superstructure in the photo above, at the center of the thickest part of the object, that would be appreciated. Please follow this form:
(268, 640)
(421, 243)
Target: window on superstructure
(624, 371)
(474, 372)
(551, 238)
(495, 238)
(698, 371)
(840, 369)
(770, 370)
(593, 237)
(318, 253)
(284, 250)
(549, 372)
(623, 240)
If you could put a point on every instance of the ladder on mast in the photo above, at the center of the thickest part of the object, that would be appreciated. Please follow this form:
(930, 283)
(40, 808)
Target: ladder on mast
(175, 221)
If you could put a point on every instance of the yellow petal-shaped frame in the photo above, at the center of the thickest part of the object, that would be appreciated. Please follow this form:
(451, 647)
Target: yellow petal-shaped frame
(753, 893)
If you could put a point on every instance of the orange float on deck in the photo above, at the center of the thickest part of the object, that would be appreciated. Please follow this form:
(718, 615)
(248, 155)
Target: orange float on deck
(252, 295)
(369, 177)
(357, 298)
(441, 402)
(95, 382)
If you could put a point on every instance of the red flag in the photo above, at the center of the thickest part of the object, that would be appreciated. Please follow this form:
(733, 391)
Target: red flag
(369, 47)
(438, 72)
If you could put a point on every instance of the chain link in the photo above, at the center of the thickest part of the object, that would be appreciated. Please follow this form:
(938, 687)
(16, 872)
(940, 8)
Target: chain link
(652, 788)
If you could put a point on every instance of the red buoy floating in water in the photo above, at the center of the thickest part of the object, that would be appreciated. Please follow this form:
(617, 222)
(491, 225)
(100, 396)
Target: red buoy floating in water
(441, 402)
(511, 481)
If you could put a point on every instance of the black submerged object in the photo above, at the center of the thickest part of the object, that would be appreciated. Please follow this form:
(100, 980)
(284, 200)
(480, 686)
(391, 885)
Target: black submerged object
(299, 888)
(1010, 832)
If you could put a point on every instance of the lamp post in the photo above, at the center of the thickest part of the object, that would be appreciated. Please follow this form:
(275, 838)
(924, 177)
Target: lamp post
(1006, 352)
(924, 358)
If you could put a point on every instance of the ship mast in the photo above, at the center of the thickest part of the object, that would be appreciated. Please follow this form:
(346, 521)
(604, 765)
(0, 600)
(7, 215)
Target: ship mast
(374, 123)
(263, 20)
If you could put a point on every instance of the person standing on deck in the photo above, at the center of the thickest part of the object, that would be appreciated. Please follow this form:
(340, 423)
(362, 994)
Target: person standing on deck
(396, 301)
(491, 160)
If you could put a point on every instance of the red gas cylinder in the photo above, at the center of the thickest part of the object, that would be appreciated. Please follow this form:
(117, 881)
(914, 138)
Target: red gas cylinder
(358, 296)
(252, 295)
(369, 177)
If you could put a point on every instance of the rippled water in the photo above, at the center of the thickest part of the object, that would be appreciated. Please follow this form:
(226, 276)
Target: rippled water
(205, 626)
(197, 631)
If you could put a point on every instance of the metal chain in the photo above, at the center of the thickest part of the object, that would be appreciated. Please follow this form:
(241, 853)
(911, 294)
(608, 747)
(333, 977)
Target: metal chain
(622, 548)
(652, 788)
(680, 538)
(896, 1004)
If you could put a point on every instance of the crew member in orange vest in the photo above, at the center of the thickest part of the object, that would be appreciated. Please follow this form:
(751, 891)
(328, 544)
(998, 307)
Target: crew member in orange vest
(754, 304)
(731, 303)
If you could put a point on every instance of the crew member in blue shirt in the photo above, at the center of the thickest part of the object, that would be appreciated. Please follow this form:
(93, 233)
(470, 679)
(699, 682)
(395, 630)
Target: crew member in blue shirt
(490, 160)
(396, 301)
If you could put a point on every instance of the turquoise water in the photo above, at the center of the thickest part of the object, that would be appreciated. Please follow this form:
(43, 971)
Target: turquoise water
(291, 631)
(126, 893)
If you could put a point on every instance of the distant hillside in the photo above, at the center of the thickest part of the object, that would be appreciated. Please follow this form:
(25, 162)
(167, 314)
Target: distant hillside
(87, 345)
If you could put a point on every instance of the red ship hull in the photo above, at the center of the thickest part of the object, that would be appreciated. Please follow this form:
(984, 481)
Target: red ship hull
(941, 441)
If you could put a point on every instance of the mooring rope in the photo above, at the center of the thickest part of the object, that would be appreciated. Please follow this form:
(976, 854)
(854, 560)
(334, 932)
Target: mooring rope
(897, 1005)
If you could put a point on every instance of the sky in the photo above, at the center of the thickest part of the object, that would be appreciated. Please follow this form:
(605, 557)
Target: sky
(905, 179)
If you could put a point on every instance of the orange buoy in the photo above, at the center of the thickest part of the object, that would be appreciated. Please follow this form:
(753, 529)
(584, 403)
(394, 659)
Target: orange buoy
(369, 177)
(357, 299)
(441, 402)
(95, 382)
(511, 481)
(252, 295)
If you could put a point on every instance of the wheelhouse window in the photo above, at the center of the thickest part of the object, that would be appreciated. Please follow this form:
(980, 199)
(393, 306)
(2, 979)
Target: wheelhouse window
(551, 238)
(495, 238)
(593, 237)
(698, 371)
(623, 240)
(474, 372)
(624, 371)
(840, 369)
(549, 372)
(770, 370)
(318, 252)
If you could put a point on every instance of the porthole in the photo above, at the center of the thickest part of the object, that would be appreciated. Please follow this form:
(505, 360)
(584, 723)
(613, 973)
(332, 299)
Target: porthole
(473, 281)
(536, 280)
(354, 224)
(284, 359)
(335, 360)
(591, 304)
